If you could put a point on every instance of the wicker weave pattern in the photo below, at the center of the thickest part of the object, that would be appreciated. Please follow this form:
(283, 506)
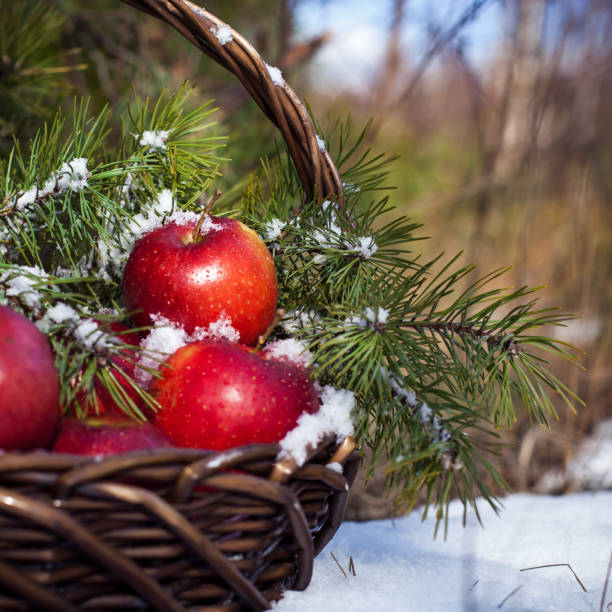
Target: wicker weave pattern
(167, 530)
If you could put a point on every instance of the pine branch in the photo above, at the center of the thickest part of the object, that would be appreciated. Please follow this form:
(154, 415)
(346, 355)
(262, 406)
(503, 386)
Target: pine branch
(68, 203)
(393, 328)
(32, 74)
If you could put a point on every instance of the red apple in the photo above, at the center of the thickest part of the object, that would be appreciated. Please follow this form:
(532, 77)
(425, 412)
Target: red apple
(193, 282)
(29, 388)
(107, 435)
(123, 371)
(217, 395)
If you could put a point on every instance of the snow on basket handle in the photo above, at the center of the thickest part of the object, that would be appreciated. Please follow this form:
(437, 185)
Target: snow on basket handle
(265, 84)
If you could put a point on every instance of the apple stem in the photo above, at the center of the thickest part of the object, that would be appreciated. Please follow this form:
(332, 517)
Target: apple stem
(278, 315)
(211, 203)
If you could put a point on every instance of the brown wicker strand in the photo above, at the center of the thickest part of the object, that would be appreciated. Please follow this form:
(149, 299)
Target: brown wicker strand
(60, 522)
(318, 175)
(190, 536)
(15, 582)
(198, 470)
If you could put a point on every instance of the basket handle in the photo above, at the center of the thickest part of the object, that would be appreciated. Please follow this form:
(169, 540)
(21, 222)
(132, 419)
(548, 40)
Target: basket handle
(318, 174)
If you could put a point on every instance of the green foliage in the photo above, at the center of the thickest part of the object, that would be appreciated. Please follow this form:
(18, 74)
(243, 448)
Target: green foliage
(32, 74)
(435, 369)
(72, 208)
(429, 363)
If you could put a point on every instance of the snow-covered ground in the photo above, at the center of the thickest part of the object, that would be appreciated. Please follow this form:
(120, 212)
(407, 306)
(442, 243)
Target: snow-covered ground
(400, 567)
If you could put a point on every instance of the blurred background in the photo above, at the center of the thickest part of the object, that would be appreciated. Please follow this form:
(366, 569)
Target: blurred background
(499, 113)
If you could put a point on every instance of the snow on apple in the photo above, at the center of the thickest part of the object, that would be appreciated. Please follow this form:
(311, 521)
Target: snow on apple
(191, 278)
(167, 337)
(332, 418)
(289, 349)
(218, 395)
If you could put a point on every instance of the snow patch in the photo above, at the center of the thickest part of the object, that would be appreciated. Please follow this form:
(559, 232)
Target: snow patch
(156, 140)
(161, 342)
(333, 417)
(369, 318)
(381, 315)
(167, 337)
(337, 467)
(72, 176)
(426, 415)
(273, 229)
(367, 247)
(21, 282)
(474, 568)
(223, 34)
(198, 10)
(88, 332)
(222, 329)
(298, 319)
(61, 312)
(321, 144)
(276, 75)
(291, 350)
(26, 198)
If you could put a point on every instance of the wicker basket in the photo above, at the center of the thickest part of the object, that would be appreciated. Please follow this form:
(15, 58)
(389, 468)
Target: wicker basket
(179, 529)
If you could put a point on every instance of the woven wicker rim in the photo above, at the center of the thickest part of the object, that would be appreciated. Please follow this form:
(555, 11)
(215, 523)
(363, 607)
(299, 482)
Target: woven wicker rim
(72, 480)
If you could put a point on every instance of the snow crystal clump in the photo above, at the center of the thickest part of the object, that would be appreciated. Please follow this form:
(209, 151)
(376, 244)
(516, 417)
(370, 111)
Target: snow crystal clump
(208, 225)
(298, 319)
(369, 318)
(163, 340)
(26, 198)
(429, 420)
(333, 417)
(88, 332)
(355, 320)
(398, 389)
(367, 247)
(289, 349)
(223, 34)
(380, 316)
(22, 284)
(154, 139)
(73, 175)
(273, 229)
(164, 203)
(222, 329)
(321, 144)
(198, 10)
(276, 75)
(167, 337)
(351, 188)
(60, 313)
